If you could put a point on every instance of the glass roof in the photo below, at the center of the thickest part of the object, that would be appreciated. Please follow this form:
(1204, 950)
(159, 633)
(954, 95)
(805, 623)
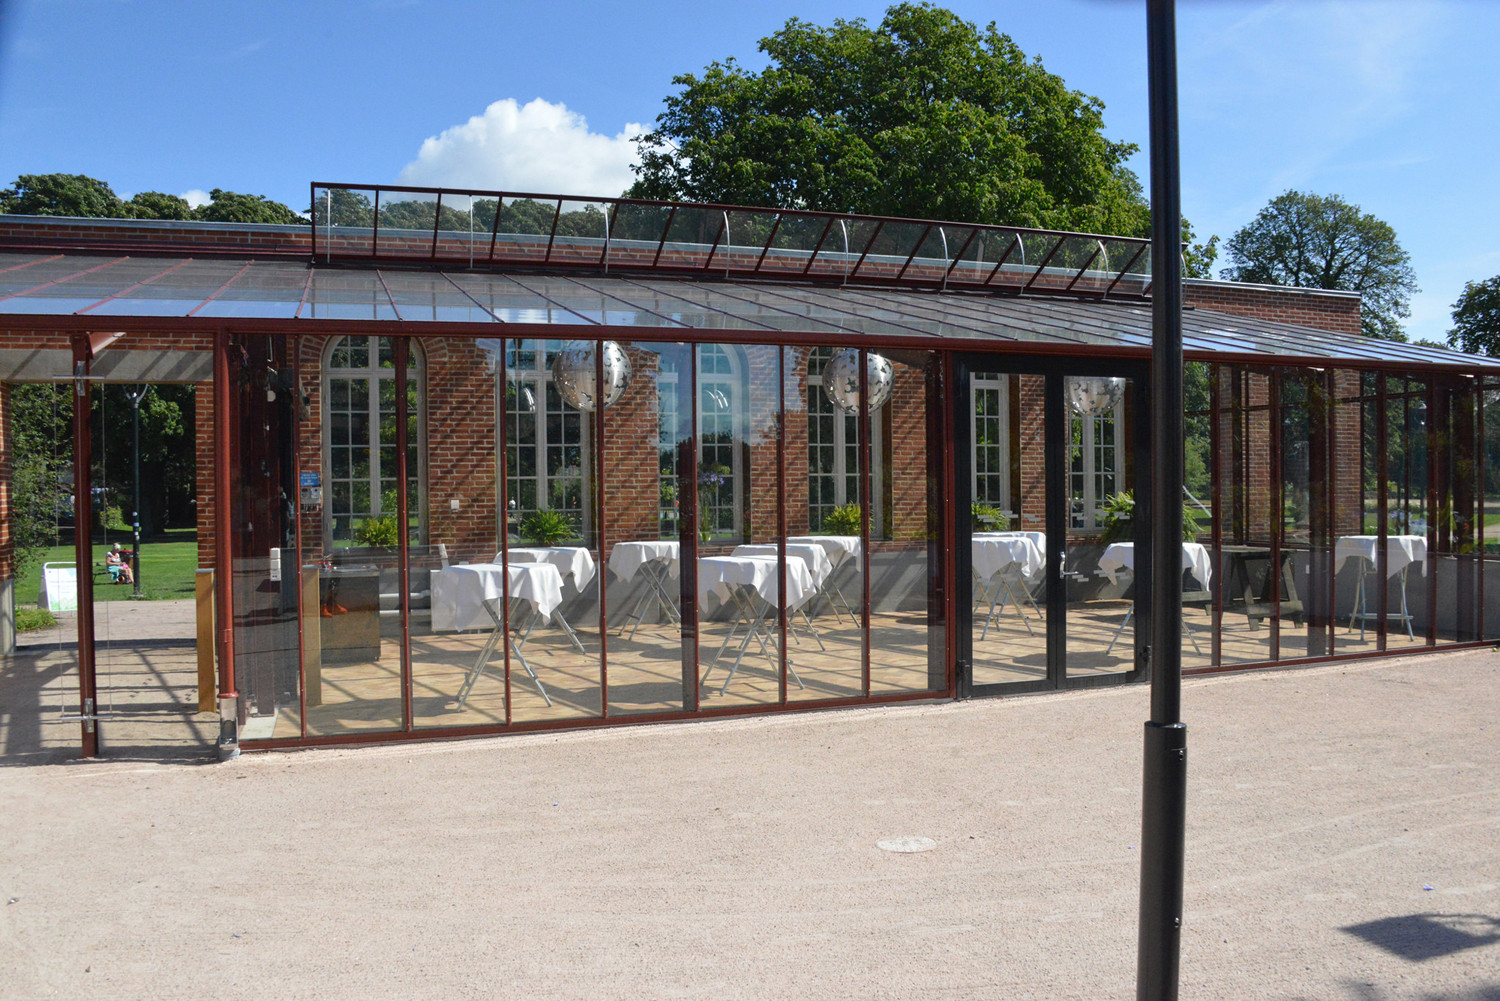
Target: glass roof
(94, 286)
(371, 224)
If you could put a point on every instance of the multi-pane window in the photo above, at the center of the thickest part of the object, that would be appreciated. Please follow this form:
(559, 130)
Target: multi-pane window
(721, 398)
(832, 447)
(1093, 466)
(989, 399)
(359, 391)
(546, 440)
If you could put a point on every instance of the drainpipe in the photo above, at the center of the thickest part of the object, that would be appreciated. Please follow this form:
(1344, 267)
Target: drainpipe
(229, 727)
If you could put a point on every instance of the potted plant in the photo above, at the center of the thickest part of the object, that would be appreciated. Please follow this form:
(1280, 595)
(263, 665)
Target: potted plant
(545, 527)
(843, 520)
(987, 518)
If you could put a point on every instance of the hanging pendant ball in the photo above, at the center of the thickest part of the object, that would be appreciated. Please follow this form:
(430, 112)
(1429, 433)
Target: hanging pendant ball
(1091, 396)
(841, 380)
(573, 373)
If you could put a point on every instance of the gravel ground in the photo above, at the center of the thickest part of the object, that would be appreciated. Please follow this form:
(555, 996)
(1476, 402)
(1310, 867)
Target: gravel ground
(1343, 842)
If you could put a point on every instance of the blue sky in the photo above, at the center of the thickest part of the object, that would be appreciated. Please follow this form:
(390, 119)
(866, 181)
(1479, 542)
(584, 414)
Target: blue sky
(1391, 105)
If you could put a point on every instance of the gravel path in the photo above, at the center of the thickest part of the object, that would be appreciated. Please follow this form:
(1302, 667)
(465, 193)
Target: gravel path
(1343, 842)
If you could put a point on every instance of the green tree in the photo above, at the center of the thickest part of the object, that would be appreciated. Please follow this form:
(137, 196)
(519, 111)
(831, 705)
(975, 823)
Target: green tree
(61, 194)
(41, 416)
(1476, 318)
(1317, 241)
(925, 115)
(231, 206)
(158, 205)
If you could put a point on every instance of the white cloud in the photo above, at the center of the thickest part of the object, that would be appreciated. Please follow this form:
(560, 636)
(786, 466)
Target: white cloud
(540, 146)
(196, 197)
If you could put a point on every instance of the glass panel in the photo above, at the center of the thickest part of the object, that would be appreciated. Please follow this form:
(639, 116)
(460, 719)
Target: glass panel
(554, 564)
(1250, 586)
(907, 637)
(887, 254)
(692, 234)
(744, 239)
(647, 433)
(1100, 553)
(1197, 513)
(739, 504)
(345, 221)
(463, 233)
(406, 224)
(1007, 520)
(794, 242)
(977, 261)
(1409, 517)
(1490, 489)
(823, 512)
(41, 692)
(581, 232)
(637, 233)
(456, 488)
(524, 230)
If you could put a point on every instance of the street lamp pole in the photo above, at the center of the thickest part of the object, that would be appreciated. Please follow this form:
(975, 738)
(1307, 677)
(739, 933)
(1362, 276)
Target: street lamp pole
(1163, 811)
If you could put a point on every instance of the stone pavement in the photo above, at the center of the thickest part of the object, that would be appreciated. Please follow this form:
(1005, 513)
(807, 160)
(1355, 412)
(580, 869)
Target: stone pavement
(1343, 843)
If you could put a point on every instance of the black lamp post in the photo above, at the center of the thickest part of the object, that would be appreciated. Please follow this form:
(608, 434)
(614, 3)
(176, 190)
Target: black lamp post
(135, 518)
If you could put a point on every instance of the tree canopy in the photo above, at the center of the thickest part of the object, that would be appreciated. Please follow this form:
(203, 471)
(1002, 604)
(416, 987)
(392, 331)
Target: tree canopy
(1322, 241)
(925, 115)
(1476, 318)
(88, 197)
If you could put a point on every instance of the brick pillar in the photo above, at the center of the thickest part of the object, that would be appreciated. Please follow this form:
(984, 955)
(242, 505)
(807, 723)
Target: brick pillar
(908, 451)
(797, 515)
(762, 494)
(1032, 452)
(632, 461)
(1348, 453)
(203, 476)
(461, 449)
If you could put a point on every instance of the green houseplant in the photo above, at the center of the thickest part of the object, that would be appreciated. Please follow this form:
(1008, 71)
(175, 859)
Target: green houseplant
(843, 520)
(1119, 519)
(987, 518)
(545, 527)
(380, 530)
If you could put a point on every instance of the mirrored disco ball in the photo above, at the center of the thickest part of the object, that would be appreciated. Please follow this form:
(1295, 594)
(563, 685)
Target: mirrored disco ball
(1091, 396)
(573, 373)
(841, 380)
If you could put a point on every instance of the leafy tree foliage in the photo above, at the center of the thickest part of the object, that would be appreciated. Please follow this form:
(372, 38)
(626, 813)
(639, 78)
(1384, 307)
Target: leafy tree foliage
(1476, 318)
(1317, 241)
(158, 205)
(925, 115)
(61, 194)
(89, 198)
(41, 416)
(230, 206)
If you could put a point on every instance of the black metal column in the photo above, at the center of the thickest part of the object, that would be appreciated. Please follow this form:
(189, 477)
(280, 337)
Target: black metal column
(1165, 774)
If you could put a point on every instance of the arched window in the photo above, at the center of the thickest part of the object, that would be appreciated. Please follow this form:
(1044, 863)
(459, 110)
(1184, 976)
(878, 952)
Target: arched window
(722, 401)
(833, 451)
(546, 446)
(359, 442)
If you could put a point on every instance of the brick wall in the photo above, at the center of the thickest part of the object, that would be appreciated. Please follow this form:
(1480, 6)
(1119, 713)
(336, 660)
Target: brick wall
(1032, 449)
(1338, 311)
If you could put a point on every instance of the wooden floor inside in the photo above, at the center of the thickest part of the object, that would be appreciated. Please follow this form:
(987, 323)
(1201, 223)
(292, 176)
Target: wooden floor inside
(645, 666)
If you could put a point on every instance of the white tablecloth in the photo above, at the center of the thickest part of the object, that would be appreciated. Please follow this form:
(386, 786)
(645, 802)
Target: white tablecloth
(720, 575)
(627, 557)
(574, 560)
(459, 592)
(1400, 551)
(838, 547)
(1040, 538)
(815, 556)
(995, 552)
(1121, 555)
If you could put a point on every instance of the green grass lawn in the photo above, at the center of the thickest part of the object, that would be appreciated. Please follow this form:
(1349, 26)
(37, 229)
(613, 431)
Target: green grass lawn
(167, 569)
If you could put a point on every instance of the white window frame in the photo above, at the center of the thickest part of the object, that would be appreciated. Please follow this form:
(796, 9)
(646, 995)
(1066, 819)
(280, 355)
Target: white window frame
(845, 446)
(536, 395)
(372, 374)
(1091, 479)
(997, 454)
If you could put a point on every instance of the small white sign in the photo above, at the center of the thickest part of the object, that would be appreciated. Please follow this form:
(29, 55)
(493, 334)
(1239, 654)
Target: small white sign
(59, 591)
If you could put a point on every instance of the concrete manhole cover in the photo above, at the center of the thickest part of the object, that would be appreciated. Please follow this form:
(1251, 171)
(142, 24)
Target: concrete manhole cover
(906, 844)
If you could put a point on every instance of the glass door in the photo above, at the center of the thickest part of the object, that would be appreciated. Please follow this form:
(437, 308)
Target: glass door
(1046, 533)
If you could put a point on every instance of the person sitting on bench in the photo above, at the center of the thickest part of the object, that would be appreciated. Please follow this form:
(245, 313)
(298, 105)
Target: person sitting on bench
(118, 567)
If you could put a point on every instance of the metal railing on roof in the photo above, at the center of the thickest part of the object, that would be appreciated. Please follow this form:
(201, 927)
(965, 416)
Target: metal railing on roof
(500, 230)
